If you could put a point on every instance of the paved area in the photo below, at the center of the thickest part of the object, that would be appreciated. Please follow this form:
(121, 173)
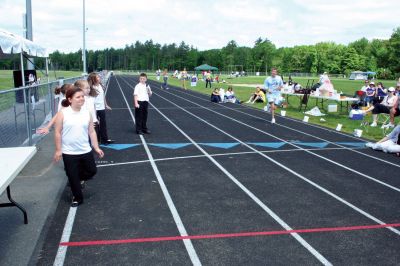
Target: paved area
(37, 188)
(218, 184)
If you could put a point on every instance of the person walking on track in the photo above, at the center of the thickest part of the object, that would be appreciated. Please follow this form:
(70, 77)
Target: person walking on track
(101, 106)
(73, 127)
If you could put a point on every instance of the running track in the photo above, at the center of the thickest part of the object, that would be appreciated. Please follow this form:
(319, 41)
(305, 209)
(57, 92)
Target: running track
(217, 184)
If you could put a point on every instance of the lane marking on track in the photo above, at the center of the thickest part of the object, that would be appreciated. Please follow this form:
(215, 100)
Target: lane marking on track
(293, 144)
(228, 235)
(270, 212)
(292, 171)
(212, 155)
(296, 130)
(178, 221)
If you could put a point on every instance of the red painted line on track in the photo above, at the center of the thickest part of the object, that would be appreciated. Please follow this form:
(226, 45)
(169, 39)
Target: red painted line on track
(245, 234)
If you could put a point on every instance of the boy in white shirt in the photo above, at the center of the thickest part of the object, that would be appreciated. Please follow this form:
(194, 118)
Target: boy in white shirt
(141, 95)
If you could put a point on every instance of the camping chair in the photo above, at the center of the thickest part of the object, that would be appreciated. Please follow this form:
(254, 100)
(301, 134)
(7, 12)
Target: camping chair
(361, 95)
(306, 95)
(384, 119)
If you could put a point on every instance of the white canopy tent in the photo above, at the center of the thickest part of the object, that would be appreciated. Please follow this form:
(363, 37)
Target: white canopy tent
(14, 44)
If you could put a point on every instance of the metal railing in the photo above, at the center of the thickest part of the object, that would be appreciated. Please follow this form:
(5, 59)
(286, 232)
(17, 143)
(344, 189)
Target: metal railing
(24, 109)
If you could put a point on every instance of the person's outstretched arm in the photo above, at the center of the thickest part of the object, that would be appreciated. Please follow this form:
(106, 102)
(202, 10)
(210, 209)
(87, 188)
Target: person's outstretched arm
(57, 136)
(93, 139)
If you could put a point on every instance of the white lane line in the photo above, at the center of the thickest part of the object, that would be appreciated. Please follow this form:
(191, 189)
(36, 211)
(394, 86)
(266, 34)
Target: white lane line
(304, 243)
(285, 117)
(319, 138)
(296, 130)
(62, 250)
(294, 145)
(178, 221)
(213, 155)
(294, 173)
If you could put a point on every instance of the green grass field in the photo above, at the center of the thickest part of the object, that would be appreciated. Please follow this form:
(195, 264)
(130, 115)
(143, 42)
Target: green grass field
(348, 87)
(6, 77)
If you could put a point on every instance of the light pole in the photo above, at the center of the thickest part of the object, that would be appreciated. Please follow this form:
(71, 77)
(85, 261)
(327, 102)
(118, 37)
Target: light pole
(28, 27)
(84, 40)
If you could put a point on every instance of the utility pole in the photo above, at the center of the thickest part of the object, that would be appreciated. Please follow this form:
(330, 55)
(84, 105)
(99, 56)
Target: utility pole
(29, 31)
(84, 40)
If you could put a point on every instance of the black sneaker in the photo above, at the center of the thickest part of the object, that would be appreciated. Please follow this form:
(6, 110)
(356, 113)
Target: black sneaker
(147, 132)
(76, 203)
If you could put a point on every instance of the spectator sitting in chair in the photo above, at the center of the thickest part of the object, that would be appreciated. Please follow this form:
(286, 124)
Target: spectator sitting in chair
(257, 96)
(394, 111)
(397, 92)
(390, 143)
(370, 92)
(380, 93)
(383, 107)
(364, 88)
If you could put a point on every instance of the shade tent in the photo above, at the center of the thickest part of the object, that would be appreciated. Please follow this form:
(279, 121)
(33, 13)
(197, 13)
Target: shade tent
(14, 44)
(360, 75)
(205, 67)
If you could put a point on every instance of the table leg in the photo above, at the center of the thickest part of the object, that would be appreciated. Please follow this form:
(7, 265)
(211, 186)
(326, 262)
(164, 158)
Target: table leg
(14, 204)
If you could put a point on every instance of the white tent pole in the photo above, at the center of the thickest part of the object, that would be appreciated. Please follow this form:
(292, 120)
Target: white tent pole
(22, 68)
(26, 100)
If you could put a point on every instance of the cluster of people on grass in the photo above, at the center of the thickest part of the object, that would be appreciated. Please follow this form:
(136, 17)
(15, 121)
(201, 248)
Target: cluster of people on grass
(380, 100)
(220, 96)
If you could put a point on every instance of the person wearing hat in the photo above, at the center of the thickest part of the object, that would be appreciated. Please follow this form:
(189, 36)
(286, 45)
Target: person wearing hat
(394, 111)
(370, 92)
(384, 107)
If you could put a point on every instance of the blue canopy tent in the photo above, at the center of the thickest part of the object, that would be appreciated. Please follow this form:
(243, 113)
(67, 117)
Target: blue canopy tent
(360, 75)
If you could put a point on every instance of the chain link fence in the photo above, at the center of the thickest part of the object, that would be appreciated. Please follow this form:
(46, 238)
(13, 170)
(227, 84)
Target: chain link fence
(23, 110)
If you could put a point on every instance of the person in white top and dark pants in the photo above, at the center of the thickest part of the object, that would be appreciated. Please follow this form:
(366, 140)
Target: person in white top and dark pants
(141, 95)
(73, 127)
(101, 106)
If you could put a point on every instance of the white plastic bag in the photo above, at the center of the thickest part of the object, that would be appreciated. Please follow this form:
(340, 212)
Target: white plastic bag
(315, 112)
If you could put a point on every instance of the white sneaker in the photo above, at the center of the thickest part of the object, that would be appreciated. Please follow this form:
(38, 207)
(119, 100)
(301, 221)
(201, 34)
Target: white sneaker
(373, 124)
(273, 121)
(390, 125)
(369, 144)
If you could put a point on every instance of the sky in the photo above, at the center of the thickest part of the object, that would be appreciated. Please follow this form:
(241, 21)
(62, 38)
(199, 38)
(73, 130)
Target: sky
(205, 24)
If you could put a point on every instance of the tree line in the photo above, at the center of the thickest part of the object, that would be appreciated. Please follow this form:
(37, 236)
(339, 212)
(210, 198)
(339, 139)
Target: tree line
(381, 56)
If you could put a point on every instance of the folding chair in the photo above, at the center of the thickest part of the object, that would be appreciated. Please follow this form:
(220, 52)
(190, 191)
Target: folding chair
(306, 96)
(361, 95)
(384, 119)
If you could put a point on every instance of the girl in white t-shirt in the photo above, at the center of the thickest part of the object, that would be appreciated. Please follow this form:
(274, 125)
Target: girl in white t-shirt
(73, 127)
(89, 100)
(101, 106)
